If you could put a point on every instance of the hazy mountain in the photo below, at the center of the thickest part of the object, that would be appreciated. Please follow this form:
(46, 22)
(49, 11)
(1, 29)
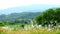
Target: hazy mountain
(30, 8)
(16, 16)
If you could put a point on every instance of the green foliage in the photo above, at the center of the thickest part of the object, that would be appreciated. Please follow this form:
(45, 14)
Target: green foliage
(48, 16)
(4, 23)
(1, 24)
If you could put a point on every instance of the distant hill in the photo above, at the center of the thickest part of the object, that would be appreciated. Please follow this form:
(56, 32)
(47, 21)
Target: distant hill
(23, 12)
(15, 16)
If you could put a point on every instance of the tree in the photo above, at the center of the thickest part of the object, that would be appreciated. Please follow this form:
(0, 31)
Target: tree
(48, 16)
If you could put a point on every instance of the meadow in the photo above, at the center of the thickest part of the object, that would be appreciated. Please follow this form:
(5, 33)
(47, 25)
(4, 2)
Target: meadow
(31, 31)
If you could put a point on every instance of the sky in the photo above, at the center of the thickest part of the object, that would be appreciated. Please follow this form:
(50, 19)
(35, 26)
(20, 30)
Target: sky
(4, 4)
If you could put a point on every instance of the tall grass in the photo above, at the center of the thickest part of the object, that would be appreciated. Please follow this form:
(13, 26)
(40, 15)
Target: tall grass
(31, 31)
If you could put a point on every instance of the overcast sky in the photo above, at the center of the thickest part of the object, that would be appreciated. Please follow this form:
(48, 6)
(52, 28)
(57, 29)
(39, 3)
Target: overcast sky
(14, 3)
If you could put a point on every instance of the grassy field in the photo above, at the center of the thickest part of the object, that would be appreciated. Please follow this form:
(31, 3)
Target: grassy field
(31, 31)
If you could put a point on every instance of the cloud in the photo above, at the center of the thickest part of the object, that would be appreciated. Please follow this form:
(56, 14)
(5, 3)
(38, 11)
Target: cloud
(13, 3)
